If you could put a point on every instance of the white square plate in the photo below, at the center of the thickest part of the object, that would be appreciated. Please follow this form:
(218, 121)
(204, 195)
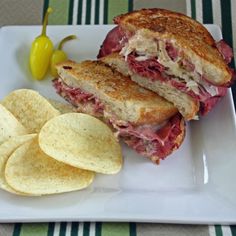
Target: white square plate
(196, 184)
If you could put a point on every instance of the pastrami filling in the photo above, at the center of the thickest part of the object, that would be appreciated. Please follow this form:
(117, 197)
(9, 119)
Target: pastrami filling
(78, 98)
(113, 42)
(150, 142)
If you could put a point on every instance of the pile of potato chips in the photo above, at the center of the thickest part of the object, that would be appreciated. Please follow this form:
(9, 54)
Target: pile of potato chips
(47, 148)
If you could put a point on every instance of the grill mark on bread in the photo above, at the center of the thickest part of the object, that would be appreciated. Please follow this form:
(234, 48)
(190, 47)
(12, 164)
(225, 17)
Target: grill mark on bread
(67, 67)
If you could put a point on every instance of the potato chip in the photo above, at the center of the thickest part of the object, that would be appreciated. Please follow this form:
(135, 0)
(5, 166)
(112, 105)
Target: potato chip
(31, 171)
(30, 108)
(9, 125)
(6, 149)
(82, 141)
(62, 107)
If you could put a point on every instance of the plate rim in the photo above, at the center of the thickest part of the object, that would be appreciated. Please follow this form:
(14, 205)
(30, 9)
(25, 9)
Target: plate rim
(110, 218)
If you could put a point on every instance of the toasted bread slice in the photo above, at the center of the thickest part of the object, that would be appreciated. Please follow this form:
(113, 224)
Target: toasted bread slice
(191, 37)
(186, 105)
(120, 95)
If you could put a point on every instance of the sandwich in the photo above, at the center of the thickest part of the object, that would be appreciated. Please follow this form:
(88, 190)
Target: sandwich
(146, 122)
(172, 55)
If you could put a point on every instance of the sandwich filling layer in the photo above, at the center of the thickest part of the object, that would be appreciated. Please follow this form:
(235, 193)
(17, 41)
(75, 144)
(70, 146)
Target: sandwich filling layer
(153, 141)
(163, 61)
(207, 94)
(85, 102)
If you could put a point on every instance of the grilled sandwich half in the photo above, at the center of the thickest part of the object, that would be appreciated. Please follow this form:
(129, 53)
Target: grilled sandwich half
(172, 55)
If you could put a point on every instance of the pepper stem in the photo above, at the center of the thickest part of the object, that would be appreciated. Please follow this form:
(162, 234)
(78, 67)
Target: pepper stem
(68, 38)
(45, 21)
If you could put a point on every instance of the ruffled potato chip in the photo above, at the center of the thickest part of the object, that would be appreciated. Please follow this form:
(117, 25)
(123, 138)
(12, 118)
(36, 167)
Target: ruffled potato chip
(9, 125)
(31, 171)
(6, 149)
(30, 108)
(81, 141)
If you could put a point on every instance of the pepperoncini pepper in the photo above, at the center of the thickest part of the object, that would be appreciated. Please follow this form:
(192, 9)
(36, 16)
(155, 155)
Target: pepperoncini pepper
(41, 51)
(59, 55)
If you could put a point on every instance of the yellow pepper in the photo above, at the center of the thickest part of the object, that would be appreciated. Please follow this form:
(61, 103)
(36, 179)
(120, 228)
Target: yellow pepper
(41, 51)
(59, 55)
